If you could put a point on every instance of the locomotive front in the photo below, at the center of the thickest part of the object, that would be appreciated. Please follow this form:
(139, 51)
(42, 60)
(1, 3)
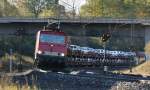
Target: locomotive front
(51, 48)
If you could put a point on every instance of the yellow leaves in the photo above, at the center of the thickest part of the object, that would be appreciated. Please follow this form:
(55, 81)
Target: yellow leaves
(116, 8)
(141, 14)
(7, 9)
(91, 8)
(47, 13)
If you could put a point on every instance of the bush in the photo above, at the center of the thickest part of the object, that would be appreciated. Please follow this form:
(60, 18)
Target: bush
(23, 45)
(147, 48)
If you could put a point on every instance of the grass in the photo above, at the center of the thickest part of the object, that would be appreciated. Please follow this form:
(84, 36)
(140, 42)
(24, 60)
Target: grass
(5, 81)
(6, 84)
(142, 69)
(27, 62)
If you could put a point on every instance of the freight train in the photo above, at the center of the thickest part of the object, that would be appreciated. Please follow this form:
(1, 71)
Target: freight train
(53, 50)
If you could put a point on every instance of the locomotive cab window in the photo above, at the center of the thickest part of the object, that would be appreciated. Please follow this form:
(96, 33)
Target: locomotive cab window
(52, 38)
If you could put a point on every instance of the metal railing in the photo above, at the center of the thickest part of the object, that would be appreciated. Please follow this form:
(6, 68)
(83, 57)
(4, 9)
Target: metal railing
(77, 20)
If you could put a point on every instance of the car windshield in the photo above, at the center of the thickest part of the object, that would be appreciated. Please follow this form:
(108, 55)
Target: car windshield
(52, 38)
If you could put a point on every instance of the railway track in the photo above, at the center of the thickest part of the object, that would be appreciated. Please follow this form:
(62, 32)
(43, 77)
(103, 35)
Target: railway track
(107, 75)
(73, 80)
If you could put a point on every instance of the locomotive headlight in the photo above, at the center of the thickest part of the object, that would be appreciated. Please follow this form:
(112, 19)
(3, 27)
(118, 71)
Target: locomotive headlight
(39, 52)
(51, 45)
(62, 54)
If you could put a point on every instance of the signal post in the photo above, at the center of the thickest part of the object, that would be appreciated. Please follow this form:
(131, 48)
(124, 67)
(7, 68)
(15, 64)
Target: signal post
(105, 37)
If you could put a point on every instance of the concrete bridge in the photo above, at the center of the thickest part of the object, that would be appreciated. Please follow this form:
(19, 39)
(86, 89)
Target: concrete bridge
(31, 25)
(138, 29)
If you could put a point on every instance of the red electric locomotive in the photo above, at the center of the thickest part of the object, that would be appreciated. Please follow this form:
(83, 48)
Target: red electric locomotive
(51, 48)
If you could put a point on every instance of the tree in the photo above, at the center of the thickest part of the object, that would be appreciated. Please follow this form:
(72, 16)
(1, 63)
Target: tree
(8, 10)
(37, 6)
(91, 8)
(55, 11)
(102, 8)
(116, 8)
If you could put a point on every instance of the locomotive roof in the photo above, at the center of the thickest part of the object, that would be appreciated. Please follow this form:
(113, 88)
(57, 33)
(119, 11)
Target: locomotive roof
(52, 31)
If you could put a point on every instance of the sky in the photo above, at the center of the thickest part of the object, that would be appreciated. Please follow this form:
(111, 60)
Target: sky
(69, 4)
